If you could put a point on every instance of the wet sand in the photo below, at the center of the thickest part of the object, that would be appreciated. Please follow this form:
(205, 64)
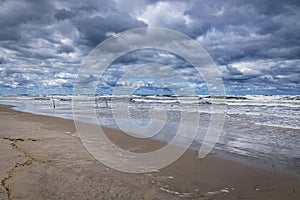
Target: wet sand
(41, 157)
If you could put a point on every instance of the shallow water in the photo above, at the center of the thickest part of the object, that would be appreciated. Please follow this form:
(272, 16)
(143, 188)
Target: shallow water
(263, 128)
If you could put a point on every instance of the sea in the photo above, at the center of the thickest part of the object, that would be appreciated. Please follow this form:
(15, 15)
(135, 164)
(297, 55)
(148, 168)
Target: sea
(261, 131)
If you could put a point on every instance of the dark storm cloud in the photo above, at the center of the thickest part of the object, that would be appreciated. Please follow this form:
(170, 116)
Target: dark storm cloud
(96, 28)
(65, 49)
(15, 15)
(63, 14)
(52, 37)
(248, 29)
(97, 20)
(255, 42)
(2, 59)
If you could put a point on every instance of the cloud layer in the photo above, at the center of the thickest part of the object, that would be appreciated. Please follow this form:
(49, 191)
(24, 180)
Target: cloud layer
(256, 44)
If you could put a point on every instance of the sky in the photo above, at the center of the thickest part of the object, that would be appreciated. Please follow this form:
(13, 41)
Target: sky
(255, 44)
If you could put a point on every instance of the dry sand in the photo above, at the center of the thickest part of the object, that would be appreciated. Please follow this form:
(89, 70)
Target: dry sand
(42, 158)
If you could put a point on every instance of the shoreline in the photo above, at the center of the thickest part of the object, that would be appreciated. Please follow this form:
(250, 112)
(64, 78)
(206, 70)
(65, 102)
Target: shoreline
(251, 161)
(44, 158)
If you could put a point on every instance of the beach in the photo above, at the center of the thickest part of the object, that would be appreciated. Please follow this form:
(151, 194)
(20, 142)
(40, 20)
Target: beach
(43, 158)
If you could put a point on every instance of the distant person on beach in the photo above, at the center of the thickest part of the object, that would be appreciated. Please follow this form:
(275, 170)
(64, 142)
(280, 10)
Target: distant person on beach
(53, 103)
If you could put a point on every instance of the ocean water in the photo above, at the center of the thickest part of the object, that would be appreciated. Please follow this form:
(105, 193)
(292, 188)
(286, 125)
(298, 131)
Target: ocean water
(263, 129)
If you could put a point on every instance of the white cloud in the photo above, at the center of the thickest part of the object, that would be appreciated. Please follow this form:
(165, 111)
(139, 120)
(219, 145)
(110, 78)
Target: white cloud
(166, 14)
(54, 82)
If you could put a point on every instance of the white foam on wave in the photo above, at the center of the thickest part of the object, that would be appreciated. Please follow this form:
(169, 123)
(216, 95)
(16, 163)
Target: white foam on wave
(263, 114)
(278, 125)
